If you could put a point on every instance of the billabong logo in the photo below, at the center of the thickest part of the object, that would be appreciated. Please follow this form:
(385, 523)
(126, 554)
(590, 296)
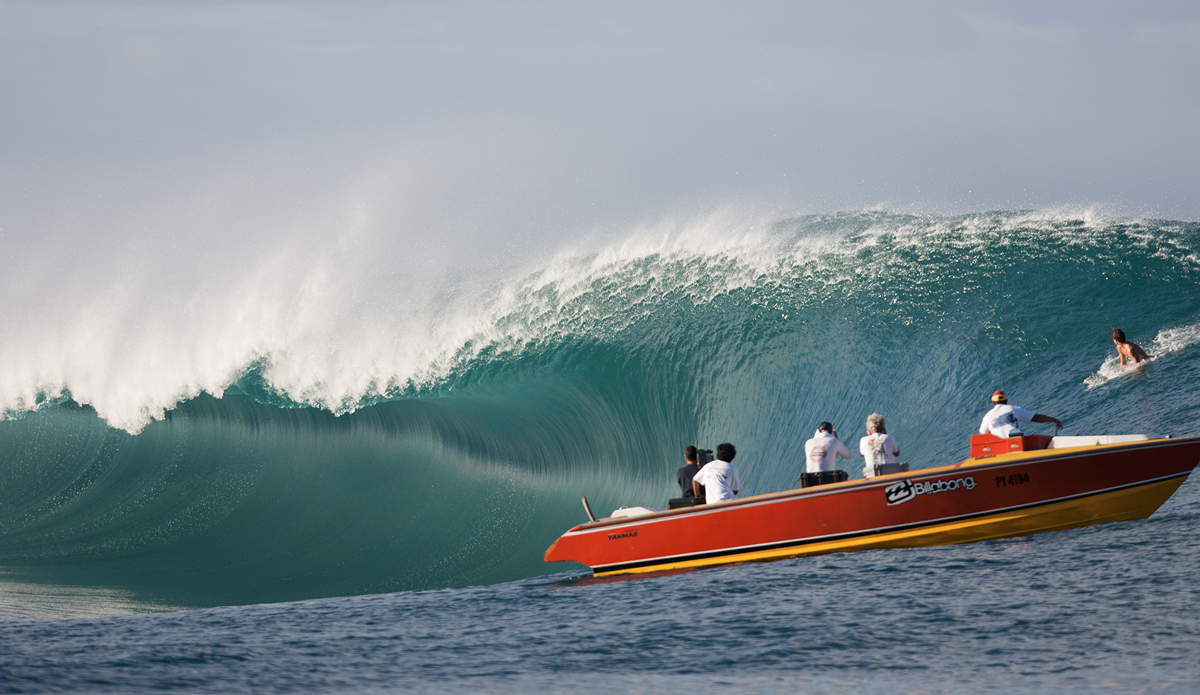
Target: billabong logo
(903, 491)
(900, 492)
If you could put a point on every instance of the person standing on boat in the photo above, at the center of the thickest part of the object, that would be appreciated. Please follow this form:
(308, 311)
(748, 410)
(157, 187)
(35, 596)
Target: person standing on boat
(719, 477)
(1127, 350)
(822, 451)
(878, 447)
(684, 475)
(1005, 420)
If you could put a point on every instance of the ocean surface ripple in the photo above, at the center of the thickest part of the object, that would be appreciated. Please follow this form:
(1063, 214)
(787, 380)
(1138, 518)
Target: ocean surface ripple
(1110, 609)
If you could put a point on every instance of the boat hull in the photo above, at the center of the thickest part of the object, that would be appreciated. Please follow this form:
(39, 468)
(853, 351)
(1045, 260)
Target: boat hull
(1001, 496)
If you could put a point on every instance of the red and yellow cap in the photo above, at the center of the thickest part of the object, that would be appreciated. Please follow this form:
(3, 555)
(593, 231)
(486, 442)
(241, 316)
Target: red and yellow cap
(999, 397)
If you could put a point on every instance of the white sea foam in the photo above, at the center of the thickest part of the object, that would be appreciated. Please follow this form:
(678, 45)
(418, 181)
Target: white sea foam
(1167, 341)
(330, 325)
(324, 321)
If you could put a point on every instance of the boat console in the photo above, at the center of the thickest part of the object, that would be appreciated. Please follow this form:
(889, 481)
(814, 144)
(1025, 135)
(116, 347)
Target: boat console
(983, 445)
(823, 478)
(990, 445)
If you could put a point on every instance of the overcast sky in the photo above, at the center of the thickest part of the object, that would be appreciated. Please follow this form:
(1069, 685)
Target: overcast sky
(516, 127)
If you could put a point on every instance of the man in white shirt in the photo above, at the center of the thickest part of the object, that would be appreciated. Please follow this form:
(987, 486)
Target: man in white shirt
(822, 451)
(1005, 420)
(719, 477)
(878, 447)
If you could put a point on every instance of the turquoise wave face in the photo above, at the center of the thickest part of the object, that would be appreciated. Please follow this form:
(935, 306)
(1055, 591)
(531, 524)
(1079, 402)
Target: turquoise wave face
(589, 378)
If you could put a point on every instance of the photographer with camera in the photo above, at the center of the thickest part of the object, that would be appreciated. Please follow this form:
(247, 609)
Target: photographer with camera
(878, 448)
(719, 478)
(822, 451)
(684, 475)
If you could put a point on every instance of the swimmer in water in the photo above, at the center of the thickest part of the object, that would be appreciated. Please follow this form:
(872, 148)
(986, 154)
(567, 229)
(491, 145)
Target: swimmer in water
(1128, 350)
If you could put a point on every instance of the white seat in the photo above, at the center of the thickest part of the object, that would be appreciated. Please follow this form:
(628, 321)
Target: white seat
(633, 511)
(1094, 440)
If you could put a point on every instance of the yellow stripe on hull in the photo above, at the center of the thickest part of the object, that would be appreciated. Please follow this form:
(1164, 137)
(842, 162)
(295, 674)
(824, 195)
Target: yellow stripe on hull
(1120, 505)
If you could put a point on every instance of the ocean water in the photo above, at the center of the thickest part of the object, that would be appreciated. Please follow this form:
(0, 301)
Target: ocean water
(342, 503)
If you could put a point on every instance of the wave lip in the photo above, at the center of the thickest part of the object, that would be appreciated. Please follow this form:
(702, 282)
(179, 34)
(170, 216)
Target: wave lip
(298, 336)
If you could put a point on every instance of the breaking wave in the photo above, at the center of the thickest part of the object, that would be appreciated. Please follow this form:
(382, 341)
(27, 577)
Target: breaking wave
(297, 435)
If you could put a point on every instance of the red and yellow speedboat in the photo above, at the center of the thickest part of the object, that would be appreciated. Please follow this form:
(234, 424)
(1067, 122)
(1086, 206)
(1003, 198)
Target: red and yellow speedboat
(1009, 487)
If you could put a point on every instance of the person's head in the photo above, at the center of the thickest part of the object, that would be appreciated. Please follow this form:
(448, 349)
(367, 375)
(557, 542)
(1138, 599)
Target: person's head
(689, 454)
(825, 427)
(726, 452)
(1118, 335)
(999, 398)
(875, 424)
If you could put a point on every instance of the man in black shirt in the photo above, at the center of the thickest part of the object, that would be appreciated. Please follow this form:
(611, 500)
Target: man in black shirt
(684, 475)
